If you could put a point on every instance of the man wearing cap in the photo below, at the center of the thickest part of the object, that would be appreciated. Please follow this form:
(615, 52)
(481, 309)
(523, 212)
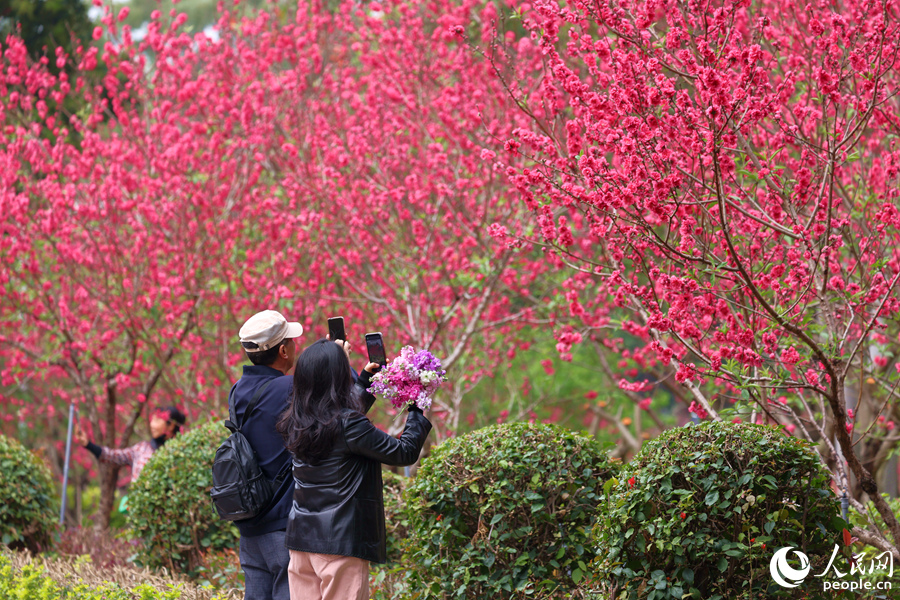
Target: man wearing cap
(269, 341)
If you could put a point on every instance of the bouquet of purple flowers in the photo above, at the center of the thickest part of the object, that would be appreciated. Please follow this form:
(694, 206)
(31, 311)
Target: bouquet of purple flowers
(411, 378)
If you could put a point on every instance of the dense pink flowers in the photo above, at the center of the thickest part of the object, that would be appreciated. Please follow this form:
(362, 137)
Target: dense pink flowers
(719, 236)
(698, 410)
(706, 195)
(319, 161)
(790, 356)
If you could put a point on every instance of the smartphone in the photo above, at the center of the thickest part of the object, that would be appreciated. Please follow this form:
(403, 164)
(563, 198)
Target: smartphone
(375, 347)
(336, 329)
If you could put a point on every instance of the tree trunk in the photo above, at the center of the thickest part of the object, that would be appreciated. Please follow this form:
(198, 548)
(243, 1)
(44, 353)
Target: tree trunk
(109, 475)
(78, 500)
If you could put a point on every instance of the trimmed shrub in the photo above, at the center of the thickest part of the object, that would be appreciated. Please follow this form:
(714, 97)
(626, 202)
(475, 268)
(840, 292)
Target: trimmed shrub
(395, 520)
(392, 580)
(700, 510)
(504, 512)
(169, 508)
(29, 506)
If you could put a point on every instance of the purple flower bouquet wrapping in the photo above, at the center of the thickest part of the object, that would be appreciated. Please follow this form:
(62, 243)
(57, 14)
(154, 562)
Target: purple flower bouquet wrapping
(411, 378)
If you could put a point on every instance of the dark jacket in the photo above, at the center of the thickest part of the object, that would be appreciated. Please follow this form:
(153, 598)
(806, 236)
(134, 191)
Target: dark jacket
(338, 505)
(271, 454)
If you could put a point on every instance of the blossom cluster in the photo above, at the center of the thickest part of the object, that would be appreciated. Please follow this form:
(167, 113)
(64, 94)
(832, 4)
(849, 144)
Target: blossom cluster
(411, 378)
(187, 139)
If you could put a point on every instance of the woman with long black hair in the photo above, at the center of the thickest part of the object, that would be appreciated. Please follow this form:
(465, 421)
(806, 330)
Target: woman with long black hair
(336, 524)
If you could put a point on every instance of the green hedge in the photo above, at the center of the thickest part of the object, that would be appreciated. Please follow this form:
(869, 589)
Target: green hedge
(29, 505)
(169, 508)
(700, 510)
(505, 511)
(391, 580)
(395, 521)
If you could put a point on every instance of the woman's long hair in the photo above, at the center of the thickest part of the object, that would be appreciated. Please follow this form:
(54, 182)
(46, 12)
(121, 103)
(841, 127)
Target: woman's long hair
(323, 386)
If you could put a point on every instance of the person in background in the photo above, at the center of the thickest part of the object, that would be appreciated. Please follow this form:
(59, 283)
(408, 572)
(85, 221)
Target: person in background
(165, 423)
(336, 524)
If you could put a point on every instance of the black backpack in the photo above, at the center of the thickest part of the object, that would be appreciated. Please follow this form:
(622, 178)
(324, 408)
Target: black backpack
(240, 488)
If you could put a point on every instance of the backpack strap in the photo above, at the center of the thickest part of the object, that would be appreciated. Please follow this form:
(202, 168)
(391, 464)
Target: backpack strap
(282, 475)
(231, 423)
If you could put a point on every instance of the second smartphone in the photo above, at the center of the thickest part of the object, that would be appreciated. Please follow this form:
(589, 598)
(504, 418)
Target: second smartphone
(375, 348)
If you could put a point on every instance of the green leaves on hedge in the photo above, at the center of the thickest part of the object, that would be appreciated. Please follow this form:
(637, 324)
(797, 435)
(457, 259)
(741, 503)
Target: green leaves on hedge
(701, 509)
(32, 583)
(169, 509)
(505, 511)
(29, 504)
(392, 580)
(396, 523)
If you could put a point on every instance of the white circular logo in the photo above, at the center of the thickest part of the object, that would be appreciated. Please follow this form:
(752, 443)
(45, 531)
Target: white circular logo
(785, 575)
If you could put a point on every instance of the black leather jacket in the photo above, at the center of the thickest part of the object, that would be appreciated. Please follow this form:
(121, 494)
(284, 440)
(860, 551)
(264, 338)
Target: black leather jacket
(338, 504)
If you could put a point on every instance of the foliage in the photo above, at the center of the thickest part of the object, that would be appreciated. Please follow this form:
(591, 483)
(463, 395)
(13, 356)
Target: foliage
(576, 394)
(395, 520)
(723, 179)
(866, 517)
(221, 569)
(53, 31)
(85, 494)
(47, 25)
(169, 508)
(700, 510)
(392, 579)
(29, 505)
(504, 512)
(201, 14)
(23, 579)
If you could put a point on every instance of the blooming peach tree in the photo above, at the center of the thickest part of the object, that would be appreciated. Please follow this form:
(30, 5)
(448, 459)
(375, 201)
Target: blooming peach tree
(722, 179)
(318, 162)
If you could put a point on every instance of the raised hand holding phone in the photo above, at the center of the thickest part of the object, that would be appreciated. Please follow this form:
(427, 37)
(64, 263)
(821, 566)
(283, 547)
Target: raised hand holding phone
(337, 334)
(375, 348)
(336, 329)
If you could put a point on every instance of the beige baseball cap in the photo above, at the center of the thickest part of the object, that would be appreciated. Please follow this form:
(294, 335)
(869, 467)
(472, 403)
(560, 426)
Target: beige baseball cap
(267, 329)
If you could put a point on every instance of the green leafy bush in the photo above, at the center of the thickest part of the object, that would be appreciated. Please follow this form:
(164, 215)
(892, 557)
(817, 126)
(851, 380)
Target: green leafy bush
(29, 505)
(505, 511)
(392, 580)
(32, 582)
(395, 520)
(700, 510)
(169, 508)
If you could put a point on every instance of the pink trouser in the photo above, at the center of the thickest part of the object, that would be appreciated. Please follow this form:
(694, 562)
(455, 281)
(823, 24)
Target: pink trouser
(327, 577)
